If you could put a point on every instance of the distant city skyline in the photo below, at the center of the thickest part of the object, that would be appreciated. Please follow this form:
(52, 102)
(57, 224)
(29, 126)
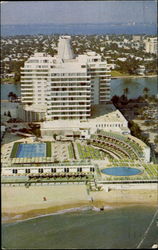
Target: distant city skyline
(66, 12)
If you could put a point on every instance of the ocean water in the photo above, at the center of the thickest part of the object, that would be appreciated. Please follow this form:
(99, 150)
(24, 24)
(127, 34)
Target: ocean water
(135, 87)
(79, 29)
(119, 228)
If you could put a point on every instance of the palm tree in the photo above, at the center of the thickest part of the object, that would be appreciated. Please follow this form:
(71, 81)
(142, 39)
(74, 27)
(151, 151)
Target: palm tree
(126, 91)
(14, 96)
(145, 91)
(10, 95)
(9, 114)
(115, 99)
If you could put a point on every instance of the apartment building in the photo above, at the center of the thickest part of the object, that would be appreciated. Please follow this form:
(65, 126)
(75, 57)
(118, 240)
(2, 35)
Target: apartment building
(65, 86)
(137, 38)
(151, 45)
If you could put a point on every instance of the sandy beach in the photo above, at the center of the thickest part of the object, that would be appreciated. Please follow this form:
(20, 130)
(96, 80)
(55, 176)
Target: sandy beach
(29, 202)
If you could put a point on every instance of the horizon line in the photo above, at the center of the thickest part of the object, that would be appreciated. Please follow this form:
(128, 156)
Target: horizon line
(89, 23)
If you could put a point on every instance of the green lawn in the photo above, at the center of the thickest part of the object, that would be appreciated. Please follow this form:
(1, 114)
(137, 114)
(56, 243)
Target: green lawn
(8, 80)
(48, 149)
(71, 152)
(117, 73)
(15, 149)
(151, 169)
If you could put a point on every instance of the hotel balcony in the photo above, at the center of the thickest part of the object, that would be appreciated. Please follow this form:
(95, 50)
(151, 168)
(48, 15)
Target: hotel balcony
(34, 76)
(69, 77)
(77, 96)
(69, 109)
(26, 80)
(70, 91)
(70, 115)
(70, 86)
(32, 73)
(67, 105)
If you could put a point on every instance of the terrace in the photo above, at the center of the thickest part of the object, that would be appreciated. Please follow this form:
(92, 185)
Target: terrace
(126, 139)
(105, 148)
(109, 150)
(119, 143)
(89, 152)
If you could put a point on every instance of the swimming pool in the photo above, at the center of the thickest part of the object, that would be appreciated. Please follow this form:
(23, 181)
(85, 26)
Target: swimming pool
(31, 150)
(121, 171)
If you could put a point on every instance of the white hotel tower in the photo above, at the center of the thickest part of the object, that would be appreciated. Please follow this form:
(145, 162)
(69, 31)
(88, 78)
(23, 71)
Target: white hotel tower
(64, 86)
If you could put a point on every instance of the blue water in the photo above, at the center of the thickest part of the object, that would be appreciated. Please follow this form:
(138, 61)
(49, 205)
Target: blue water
(121, 171)
(6, 88)
(119, 228)
(31, 150)
(76, 29)
(135, 86)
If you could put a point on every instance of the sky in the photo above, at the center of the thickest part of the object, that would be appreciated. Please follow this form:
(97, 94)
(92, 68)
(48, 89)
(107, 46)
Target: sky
(64, 12)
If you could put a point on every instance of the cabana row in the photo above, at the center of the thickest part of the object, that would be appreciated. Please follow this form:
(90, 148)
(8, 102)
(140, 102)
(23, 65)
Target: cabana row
(59, 175)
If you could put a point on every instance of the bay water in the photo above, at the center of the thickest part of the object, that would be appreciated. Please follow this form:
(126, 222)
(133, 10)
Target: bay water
(135, 87)
(6, 88)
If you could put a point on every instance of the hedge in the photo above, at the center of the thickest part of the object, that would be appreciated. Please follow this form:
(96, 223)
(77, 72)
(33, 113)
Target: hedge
(15, 149)
(48, 149)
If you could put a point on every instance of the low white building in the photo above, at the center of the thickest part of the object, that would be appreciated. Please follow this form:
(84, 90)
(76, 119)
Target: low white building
(122, 59)
(141, 70)
(31, 113)
(105, 117)
(15, 170)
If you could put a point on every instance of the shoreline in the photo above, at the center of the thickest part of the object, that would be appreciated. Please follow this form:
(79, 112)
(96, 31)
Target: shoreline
(69, 208)
(20, 203)
(8, 82)
(133, 76)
